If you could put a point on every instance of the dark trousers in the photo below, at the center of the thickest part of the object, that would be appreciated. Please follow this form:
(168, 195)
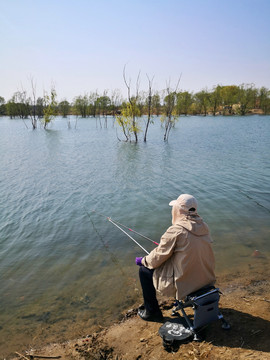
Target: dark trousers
(148, 289)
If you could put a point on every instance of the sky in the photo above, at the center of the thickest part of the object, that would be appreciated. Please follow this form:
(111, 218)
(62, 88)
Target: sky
(80, 46)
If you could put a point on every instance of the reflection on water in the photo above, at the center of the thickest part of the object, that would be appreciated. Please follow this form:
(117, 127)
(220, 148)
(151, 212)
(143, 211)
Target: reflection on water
(61, 272)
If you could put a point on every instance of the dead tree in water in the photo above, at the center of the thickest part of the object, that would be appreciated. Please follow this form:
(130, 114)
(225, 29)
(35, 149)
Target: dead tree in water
(133, 103)
(149, 106)
(169, 104)
(33, 112)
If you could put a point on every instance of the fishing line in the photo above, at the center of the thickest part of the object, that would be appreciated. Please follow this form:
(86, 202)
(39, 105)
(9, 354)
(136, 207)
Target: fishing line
(256, 202)
(126, 227)
(112, 256)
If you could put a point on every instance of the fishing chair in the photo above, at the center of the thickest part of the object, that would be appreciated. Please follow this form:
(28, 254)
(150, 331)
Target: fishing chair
(205, 305)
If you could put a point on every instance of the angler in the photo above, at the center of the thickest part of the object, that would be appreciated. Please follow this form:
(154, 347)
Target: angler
(182, 263)
(182, 267)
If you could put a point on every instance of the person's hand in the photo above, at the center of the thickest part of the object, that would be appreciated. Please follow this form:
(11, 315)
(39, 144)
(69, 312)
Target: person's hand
(138, 261)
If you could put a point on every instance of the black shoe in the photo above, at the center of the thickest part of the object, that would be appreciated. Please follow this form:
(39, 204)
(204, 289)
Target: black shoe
(150, 316)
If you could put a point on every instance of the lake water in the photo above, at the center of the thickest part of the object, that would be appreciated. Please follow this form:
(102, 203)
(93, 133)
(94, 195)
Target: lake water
(63, 271)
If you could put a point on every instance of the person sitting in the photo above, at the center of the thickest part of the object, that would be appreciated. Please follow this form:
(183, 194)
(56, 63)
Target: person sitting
(182, 263)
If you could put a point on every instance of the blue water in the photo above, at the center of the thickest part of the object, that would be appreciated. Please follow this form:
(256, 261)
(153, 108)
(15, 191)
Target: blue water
(61, 271)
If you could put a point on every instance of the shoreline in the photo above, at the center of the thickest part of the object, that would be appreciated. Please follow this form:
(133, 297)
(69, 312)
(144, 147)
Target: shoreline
(245, 303)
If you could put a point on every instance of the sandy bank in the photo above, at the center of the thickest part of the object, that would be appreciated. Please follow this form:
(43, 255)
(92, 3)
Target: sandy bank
(245, 303)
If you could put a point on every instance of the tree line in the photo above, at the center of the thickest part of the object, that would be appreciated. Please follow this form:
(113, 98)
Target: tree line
(168, 104)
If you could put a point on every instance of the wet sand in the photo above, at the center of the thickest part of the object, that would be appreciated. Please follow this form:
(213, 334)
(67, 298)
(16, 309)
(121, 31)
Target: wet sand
(245, 304)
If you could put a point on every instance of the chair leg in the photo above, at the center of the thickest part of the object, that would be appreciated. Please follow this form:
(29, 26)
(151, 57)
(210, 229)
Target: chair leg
(197, 337)
(225, 325)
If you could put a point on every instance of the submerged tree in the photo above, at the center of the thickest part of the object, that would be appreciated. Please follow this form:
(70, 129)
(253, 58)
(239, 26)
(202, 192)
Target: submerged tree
(125, 121)
(149, 106)
(115, 101)
(132, 109)
(93, 103)
(50, 107)
(33, 112)
(81, 104)
(170, 117)
(40, 107)
(19, 105)
(103, 104)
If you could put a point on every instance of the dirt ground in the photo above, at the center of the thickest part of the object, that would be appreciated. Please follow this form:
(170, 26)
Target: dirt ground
(245, 304)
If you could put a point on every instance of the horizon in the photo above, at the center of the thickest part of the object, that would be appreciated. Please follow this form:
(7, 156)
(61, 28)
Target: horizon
(83, 46)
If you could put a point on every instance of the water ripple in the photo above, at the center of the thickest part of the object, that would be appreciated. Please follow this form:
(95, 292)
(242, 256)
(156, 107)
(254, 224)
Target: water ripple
(49, 248)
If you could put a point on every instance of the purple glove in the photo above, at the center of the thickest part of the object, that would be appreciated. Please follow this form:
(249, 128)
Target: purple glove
(138, 261)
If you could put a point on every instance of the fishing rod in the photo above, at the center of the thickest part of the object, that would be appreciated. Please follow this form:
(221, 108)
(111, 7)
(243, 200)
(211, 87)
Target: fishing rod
(126, 227)
(111, 221)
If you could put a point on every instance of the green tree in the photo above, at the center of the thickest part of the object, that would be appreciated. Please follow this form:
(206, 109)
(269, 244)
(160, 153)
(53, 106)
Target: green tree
(264, 100)
(11, 108)
(184, 101)
(64, 108)
(229, 97)
(50, 107)
(81, 104)
(40, 107)
(156, 104)
(2, 106)
(103, 103)
(203, 101)
(19, 105)
(215, 99)
(246, 98)
(125, 121)
(93, 103)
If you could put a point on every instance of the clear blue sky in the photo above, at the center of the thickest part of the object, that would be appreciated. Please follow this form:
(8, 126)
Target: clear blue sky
(83, 45)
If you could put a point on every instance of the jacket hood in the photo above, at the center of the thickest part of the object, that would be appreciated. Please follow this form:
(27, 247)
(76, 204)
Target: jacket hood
(195, 225)
(192, 223)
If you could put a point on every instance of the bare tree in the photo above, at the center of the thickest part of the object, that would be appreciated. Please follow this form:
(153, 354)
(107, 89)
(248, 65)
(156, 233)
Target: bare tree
(133, 102)
(149, 106)
(33, 112)
(169, 104)
(116, 100)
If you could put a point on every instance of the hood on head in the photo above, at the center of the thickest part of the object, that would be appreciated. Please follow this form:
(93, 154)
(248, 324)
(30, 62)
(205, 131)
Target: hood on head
(184, 213)
(183, 206)
(186, 203)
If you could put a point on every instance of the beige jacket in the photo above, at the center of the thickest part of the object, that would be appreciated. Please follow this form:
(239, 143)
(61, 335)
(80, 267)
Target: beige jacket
(184, 260)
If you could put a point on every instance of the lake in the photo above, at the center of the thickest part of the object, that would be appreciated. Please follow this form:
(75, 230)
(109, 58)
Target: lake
(65, 269)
